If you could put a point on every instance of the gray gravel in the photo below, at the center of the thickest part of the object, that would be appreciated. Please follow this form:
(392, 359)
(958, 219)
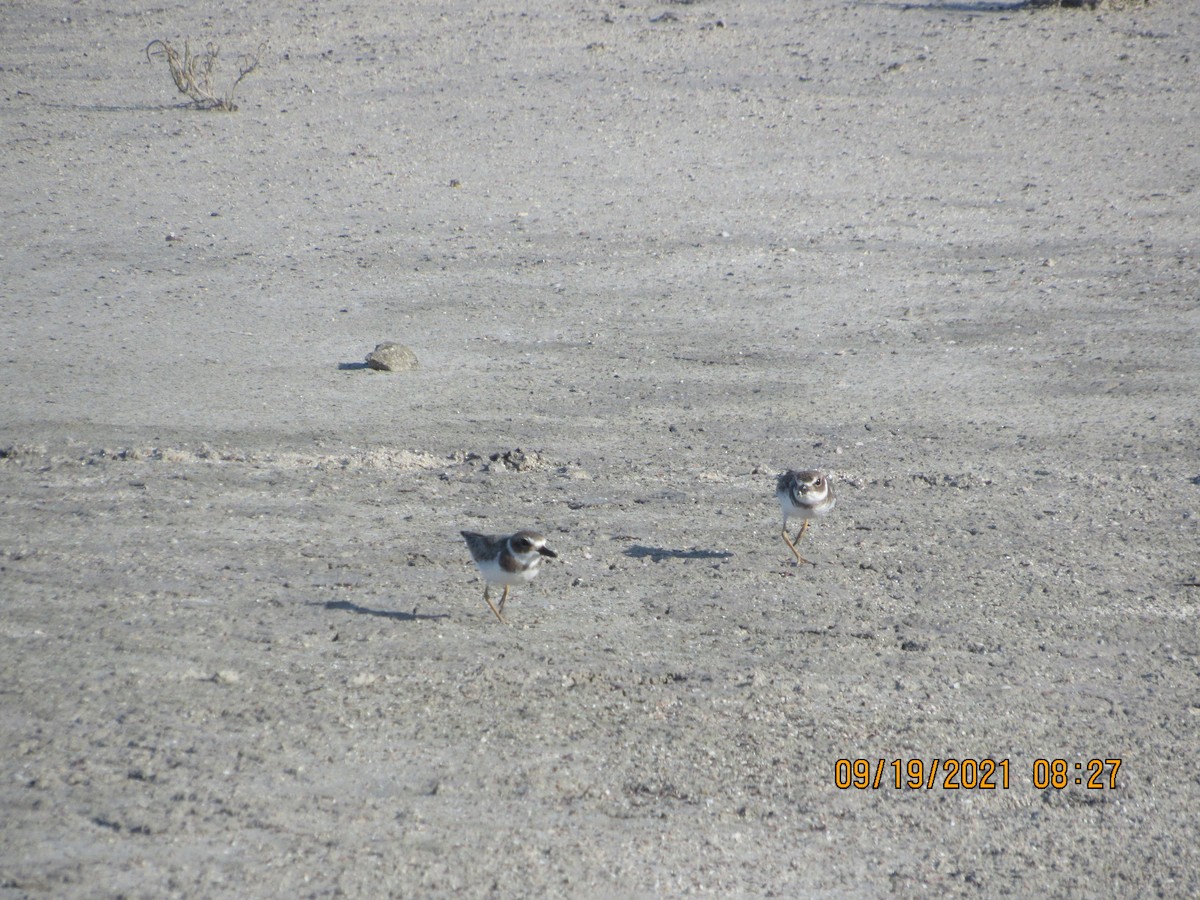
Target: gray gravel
(946, 252)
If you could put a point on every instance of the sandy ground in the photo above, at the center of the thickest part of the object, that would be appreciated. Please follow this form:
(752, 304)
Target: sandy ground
(946, 251)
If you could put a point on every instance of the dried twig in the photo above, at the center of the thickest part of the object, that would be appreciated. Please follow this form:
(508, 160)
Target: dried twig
(193, 72)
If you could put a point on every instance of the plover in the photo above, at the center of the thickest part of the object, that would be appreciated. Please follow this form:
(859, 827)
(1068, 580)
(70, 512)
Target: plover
(507, 559)
(808, 494)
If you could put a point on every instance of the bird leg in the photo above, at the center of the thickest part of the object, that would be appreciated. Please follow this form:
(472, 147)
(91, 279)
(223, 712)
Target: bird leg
(800, 533)
(787, 540)
(792, 543)
(503, 598)
(491, 606)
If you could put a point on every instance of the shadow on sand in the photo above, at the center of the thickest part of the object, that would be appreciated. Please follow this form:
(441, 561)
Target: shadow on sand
(986, 6)
(637, 551)
(414, 616)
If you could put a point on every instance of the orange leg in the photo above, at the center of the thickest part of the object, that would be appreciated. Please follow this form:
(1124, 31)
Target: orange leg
(792, 543)
(491, 606)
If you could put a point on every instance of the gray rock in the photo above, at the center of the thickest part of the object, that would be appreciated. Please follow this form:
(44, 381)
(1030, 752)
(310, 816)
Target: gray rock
(391, 357)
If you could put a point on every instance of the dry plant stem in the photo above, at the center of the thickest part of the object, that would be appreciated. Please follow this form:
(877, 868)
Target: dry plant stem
(193, 73)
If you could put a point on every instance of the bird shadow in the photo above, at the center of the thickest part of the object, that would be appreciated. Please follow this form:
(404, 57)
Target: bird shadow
(983, 6)
(638, 551)
(414, 616)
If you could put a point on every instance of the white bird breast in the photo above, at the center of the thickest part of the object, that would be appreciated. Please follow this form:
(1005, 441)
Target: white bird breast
(493, 573)
(804, 512)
